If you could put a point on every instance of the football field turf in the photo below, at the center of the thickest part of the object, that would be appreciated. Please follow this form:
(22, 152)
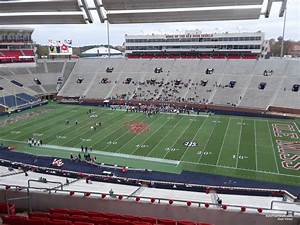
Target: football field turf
(226, 145)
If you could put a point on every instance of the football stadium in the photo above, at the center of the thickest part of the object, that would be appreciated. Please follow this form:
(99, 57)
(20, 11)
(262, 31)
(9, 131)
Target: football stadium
(188, 128)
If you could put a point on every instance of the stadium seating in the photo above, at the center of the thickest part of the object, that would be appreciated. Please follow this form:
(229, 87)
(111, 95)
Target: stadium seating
(180, 80)
(16, 56)
(17, 100)
(79, 217)
(46, 72)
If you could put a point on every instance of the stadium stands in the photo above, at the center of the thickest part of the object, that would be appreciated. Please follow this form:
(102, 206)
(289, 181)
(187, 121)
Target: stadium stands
(16, 56)
(80, 217)
(184, 80)
(40, 79)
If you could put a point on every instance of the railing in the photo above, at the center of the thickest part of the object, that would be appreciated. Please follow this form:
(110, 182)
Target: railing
(171, 184)
(133, 198)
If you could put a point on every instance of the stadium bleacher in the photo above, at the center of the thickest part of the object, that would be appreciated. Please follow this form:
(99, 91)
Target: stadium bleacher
(181, 81)
(46, 73)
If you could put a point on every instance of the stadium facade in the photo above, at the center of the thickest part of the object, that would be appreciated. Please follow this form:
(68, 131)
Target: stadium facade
(16, 45)
(195, 44)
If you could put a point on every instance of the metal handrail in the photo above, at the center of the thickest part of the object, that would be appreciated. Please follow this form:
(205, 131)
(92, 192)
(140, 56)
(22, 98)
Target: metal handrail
(162, 182)
(158, 200)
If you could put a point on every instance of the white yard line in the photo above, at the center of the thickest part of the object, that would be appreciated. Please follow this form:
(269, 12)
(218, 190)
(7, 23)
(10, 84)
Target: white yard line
(187, 148)
(111, 154)
(124, 144)
(183, 131)
(215, 124)
(270, 130)
(163, 124)
(255, 145)
(85, 127)
(114, 130)
(79, 128)
(224, 138)
(149, 158)
(296, 127)
(164, 137)
(98, 152)
(238, 150)
(242, 169)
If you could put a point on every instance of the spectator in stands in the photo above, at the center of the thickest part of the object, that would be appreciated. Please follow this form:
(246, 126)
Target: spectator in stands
(219, 201)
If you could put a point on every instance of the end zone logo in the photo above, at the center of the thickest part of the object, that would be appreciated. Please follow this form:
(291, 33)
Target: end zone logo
(190, 144)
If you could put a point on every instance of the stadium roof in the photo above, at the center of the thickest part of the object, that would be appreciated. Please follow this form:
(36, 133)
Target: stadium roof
(101, 51)
(13, 12)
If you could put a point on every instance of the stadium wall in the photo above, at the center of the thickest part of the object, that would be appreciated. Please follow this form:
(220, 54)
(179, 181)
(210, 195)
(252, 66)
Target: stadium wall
(223, 110)
(44, 201)
(284, 110)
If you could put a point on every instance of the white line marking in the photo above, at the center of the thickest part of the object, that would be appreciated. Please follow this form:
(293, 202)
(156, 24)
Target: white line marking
(175, 125)
(238, 150)
(151, 158)
(113, 131)
(187, 148)
(270, 130)
(224, 138)
(249, 170)
(183, 131)
(152, 135)
(124, 144)
(255, 145)
(215, 124)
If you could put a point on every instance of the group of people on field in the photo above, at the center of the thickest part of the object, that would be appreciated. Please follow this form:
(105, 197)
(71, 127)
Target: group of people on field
(34, 142)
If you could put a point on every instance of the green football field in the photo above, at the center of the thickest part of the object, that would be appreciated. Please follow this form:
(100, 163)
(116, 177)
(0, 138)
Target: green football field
(226, 145)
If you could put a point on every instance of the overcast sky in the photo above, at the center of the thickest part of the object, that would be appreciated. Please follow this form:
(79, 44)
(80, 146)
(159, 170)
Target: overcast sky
(96, 33)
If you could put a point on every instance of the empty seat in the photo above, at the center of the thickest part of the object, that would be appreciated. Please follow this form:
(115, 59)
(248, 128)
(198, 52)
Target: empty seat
(37, 221)
(166, 222)
(60, 216)
(79, 218)
(58, 222)
(185, 223)
(39, 214)
(82, 223)
(63, 211)
(15, 220)
(148, 220)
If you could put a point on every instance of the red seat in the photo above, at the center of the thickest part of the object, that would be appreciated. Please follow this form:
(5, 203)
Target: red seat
(141, 223)
(83, 223)
(66, 222)
(60, 216)
(119, 222)
(148, 220)
(7, 208)
(95, 214)
(39, 214)
(79, 218)
(15, 220)
(185, 223)
(166, 222)
(131, 218)
(63, 211)
(77, 212)
(37, 221)
(58, 222)
(98, 220)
